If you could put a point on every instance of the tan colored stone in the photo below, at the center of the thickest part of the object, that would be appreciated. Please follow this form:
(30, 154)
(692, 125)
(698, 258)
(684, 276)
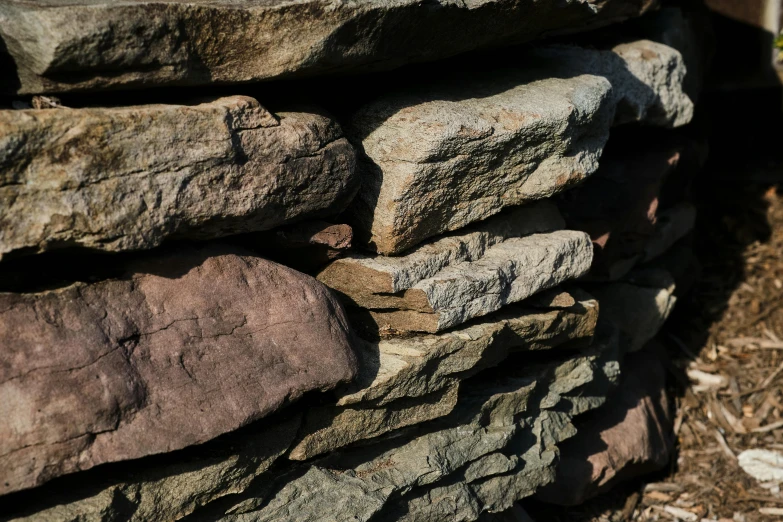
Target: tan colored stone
(439, 157)
(127, 178)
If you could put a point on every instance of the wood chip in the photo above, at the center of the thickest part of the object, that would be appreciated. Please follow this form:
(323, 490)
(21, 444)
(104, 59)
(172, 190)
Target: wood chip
(669, 487)
(771, 511)
(660, 496)
(680, 513)
(769, 427)
(771, 378)
(724, 446)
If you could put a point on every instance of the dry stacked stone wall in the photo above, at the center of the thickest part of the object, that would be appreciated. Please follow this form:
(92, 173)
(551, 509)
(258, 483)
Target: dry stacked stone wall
(338, 261)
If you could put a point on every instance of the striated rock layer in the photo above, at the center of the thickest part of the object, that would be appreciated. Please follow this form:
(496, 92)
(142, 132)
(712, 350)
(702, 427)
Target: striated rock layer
(466, 274)
(129, 177)
(65, 45)
(497, 447)
(187, 348)
(439, 157)
(403, 382)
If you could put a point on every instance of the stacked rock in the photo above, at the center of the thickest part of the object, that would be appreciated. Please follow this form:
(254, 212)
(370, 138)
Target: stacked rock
(214, 311)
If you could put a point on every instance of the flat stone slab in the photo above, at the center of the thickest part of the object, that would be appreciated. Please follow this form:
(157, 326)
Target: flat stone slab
(441, 156)
(499, 445)
(464, 275)
(638, 305)
(403, 382)
(69, 45)
(188, 347)
(127, 178)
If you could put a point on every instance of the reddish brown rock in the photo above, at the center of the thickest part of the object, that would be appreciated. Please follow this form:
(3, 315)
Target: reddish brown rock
(305, 246)
(187, 347)
(622, 204)
(630, 436)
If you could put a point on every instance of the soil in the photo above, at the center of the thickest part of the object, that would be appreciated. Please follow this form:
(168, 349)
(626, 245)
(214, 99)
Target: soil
(729, 327)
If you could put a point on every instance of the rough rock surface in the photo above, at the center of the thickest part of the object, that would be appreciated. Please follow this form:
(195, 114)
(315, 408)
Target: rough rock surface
(508, 273)
(120, 369)
(500, 444)
(504, 137)
(407, 381)
(464, 275)
(160, 492)
(367, 281)
(129, 177)
(629, 436)
(638, 305)
(63, 45)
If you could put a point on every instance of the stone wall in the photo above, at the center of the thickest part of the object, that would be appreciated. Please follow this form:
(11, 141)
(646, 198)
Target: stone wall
(258, 262)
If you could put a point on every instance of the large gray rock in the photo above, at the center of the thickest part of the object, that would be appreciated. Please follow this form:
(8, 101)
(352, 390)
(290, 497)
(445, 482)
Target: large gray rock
(500, 442)
(403, 382)
(128, 178)
(639, 305)
(64, 45)
(464, 275)
(162, 492)
(441, 156)
(187, 347)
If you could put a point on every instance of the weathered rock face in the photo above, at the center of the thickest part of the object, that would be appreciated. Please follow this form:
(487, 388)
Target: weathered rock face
(464, 275)
(64, 45)
(166, 491)
(128, 178)
(121, 369)
(508, 273)
(403, 382)
(441, 157)
(498, 447)
(630, 436)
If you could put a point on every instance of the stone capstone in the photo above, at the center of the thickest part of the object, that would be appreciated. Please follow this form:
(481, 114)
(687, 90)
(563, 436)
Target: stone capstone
(441, 156)
(464, 275)
(128, 178)
(68, 45)
(185, 348)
